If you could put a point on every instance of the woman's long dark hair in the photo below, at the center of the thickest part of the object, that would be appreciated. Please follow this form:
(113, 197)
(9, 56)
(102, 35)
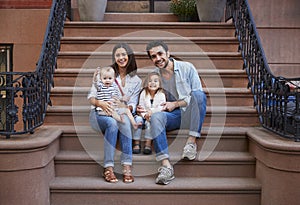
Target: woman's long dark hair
(131, 67)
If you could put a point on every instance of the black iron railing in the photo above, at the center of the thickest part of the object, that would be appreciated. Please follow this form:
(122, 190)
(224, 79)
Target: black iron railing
(277, 104)
(27, 94)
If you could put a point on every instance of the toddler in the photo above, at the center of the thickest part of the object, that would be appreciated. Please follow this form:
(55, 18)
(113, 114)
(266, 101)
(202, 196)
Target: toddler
(150, 100)
(107, 90)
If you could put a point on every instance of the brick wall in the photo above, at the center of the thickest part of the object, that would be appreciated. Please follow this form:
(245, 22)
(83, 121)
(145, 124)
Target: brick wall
(25, 4)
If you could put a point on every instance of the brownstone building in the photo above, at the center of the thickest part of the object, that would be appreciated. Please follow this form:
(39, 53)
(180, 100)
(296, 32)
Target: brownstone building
(249, 165)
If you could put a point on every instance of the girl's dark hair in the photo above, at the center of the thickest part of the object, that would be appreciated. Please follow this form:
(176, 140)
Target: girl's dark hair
(131, 67)
(156, 43)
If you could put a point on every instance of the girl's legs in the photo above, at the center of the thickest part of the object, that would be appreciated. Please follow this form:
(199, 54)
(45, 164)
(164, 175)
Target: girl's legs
(148, 139)
(137, 133)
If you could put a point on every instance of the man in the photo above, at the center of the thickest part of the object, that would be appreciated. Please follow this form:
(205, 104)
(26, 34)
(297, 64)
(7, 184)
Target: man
(185, 107)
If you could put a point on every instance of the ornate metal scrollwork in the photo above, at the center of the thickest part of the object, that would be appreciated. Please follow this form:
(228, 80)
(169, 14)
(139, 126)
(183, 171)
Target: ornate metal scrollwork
(277, 105)
(33, 88)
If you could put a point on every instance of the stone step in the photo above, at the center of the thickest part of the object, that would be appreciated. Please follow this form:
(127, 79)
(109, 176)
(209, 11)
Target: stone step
(211, 78)
(203, 190)
(140, 17)
(215, 96)
(207, 44)
(240, 116)
(80, 138)
(201, 60)
(148, 29)
(217, 164)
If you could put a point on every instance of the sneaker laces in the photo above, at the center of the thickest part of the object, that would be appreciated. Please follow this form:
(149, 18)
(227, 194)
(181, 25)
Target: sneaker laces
(189, 146)
(165, 171)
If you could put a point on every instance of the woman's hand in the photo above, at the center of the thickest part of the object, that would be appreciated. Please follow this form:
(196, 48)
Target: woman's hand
(106, 106)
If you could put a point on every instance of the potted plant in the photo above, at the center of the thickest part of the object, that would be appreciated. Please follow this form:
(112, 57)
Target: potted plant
(186, 10)
(91, 10)
(210, 10)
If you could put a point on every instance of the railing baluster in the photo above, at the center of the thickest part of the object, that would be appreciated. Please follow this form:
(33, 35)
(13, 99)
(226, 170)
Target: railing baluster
(33, 88)
(271, 95)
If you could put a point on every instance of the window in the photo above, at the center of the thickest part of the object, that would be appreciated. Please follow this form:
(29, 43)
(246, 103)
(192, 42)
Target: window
(5, 66)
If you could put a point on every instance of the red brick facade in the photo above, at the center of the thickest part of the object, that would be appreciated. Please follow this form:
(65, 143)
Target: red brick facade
(25, 4)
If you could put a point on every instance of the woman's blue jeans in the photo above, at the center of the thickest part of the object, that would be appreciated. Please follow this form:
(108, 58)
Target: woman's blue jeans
(192, 118)
(111, 130)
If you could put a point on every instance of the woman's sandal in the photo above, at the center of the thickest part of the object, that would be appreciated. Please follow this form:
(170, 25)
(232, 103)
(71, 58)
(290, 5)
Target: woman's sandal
(127, 176)
(109, 175)
(136, 148)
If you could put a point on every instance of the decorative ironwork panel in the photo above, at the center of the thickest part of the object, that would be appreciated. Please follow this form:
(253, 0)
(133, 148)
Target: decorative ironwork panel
(276, 98)
(27, 94)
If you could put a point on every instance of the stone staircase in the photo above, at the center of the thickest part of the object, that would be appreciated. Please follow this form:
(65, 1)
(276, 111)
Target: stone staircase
(224, 171)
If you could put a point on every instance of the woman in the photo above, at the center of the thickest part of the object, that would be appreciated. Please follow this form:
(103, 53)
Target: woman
(129, 84)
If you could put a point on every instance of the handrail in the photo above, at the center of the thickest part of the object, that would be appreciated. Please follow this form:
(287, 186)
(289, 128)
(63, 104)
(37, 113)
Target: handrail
(277, 105)
(27, 94)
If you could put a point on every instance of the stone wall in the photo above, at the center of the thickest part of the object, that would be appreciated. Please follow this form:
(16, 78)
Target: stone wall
(24, 27)
(25, 4)
(279, 29)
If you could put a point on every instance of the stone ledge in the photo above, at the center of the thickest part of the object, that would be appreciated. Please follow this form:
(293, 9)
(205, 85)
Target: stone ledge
(274, 151)
(42, 137)
(277, 166)
(29, 151)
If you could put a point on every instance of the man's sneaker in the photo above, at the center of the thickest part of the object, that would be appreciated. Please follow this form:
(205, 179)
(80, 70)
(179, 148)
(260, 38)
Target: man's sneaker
(165, 176)
(189, 151)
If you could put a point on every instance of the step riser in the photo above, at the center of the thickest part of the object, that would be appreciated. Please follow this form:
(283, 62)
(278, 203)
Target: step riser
(93, 46)
(218, 119)
(105, 30)
(77, 61)
(209, 169)
(218, 100)
(223, 143)
(145, 17)
(211, 81)
(73, 197)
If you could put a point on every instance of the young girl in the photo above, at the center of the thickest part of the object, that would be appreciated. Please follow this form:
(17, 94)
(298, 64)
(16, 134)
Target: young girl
(107, 90)
(150, 100)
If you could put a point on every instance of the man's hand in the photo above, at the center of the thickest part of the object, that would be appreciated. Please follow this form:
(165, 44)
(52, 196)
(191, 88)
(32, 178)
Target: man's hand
(169, 106)
(140, 109)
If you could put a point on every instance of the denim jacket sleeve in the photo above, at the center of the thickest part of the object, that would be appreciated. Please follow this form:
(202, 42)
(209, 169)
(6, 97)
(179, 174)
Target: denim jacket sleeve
(187, 80)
